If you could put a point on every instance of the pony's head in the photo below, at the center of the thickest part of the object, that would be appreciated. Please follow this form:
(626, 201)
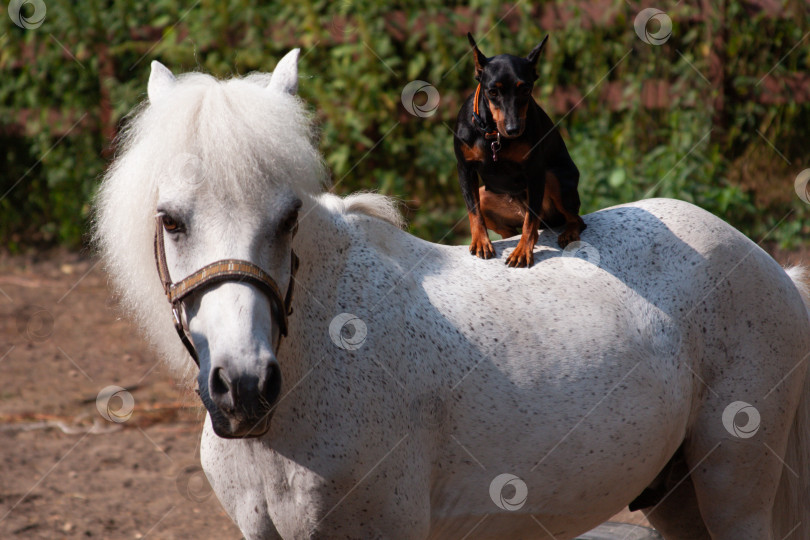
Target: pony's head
(226, 166)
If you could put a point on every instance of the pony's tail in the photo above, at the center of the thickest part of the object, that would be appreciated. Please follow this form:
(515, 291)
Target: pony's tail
(791, 514)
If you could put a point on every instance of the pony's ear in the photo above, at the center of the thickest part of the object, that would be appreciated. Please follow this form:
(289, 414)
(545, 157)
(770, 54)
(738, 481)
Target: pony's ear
(478, 56)
(535, 54)
(285, 76)
(160, 81)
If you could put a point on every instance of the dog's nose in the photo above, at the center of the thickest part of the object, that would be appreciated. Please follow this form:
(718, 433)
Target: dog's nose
(513, 129)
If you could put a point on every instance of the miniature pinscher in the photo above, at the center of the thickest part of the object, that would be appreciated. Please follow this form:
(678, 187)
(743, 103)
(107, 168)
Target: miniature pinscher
(503, 136)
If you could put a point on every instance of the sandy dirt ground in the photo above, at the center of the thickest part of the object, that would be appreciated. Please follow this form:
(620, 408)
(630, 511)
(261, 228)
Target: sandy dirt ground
(67, 472)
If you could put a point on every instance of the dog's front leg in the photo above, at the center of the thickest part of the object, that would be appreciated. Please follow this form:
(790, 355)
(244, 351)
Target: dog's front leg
(523, 254)
(480, 245)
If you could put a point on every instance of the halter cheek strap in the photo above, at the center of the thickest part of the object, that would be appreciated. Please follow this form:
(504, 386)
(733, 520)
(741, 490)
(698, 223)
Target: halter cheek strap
(218, 272)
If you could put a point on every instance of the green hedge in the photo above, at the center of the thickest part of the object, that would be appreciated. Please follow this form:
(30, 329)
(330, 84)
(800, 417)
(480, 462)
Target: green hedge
(87, 65)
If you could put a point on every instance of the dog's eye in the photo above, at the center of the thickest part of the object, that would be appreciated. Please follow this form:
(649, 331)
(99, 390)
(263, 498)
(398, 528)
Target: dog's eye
(492, 92)
(170, 225)
(524, 90)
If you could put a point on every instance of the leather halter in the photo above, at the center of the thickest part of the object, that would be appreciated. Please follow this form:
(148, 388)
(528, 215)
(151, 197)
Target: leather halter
(218, 272)
(482, 126)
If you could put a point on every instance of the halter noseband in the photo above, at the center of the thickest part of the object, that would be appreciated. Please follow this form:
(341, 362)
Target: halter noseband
(482, 126)
(218, 272)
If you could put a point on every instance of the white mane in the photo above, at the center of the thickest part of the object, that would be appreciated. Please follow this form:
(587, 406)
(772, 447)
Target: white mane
(248, 136)
(365, 202)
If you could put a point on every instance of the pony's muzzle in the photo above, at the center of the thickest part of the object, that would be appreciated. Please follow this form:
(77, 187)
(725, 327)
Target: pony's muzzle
(245, 398)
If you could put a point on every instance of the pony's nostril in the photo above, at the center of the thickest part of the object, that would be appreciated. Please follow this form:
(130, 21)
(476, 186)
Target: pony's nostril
(220, 385)
(272, 383)
(221, 390)
(244, 393)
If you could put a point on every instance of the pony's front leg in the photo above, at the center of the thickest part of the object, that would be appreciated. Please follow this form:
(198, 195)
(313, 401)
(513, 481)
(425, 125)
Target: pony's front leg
(228, 467)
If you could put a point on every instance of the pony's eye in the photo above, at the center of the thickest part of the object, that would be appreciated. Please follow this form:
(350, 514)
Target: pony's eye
(170, 224)
(289, 222)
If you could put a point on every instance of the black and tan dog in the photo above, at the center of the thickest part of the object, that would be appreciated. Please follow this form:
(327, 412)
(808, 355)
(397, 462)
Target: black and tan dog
(503, 136)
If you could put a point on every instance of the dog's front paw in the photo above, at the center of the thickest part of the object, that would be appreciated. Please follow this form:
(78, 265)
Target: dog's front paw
(568, 236)
(521, 257)
(482, 247)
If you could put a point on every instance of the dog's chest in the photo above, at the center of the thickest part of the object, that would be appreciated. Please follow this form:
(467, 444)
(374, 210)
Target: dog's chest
(495, 154)
(507, 170)
(504, 179)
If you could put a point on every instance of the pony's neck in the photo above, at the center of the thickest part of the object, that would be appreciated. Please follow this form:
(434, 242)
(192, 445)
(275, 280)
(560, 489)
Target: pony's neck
(322, 243)
(323, 234)
(347, 249)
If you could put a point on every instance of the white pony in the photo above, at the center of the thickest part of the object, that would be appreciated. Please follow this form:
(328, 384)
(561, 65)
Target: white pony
(425, 393)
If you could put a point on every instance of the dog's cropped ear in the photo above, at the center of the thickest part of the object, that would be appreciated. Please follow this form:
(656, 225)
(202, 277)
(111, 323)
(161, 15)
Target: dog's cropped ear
(535, 54)
(478, 56)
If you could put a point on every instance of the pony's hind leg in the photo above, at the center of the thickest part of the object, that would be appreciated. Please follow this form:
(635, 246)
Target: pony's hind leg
(677, 517)
(749, 377)
(735, 483)
(729, 505)
(671, 505)
(735, 472)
